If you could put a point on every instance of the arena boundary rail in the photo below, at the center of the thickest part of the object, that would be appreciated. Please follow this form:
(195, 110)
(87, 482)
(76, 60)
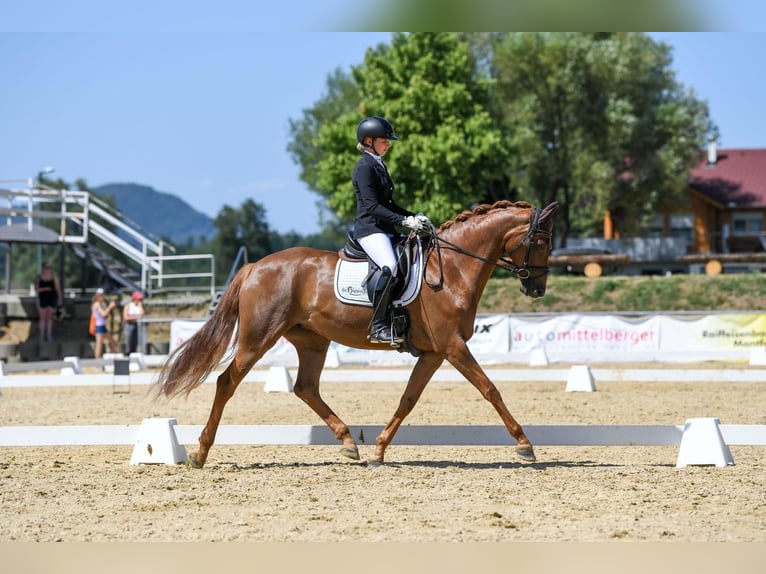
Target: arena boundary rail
(69, 377)
(701, 441)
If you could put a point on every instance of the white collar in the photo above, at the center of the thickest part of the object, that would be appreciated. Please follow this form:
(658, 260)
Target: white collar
(376, 157)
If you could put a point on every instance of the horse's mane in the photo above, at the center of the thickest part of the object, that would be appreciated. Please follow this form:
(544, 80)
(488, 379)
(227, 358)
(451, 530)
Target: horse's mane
(482, 209)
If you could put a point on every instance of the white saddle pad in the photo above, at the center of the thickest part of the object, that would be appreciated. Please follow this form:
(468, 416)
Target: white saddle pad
(350, 275)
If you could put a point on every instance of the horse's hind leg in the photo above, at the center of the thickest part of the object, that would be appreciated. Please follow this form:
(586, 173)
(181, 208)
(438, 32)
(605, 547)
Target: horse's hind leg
(312, 351)
(227, 383)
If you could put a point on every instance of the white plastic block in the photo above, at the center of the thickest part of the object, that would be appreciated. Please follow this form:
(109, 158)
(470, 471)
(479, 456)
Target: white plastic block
(137, 362)
(702, 444)
(74, 367)
(157, 443)
(537, 357)
(758, 356)
(278, 380)
(580, 379)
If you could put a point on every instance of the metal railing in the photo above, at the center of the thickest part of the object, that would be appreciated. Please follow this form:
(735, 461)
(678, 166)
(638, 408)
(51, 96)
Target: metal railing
(85, 219)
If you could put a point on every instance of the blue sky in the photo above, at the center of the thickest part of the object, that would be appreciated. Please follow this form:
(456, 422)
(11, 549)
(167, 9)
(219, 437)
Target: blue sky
(204, 115)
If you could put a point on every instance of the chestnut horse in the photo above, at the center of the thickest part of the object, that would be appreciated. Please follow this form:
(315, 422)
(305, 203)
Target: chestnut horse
(290, 294)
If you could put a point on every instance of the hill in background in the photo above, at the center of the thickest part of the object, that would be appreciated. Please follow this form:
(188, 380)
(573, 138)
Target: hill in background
(163, 214)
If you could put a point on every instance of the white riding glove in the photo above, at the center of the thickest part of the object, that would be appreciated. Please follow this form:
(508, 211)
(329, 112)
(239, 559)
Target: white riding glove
(412, 222)
(426, 223)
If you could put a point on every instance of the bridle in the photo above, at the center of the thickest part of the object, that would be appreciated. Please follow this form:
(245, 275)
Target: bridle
(523, 272)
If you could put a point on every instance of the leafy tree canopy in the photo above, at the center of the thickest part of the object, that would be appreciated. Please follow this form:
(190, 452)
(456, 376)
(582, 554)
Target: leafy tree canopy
(598, 122)
(595, 121)
(245, 226)
(428, 86)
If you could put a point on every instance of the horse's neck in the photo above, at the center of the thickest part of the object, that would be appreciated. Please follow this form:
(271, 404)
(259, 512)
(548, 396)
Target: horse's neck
(485, 237)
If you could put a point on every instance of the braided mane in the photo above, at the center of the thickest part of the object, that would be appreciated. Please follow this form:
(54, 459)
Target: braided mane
(482, 209)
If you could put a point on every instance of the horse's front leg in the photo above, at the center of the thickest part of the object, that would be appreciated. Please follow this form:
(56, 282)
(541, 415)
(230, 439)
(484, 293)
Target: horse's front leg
(466, 364)
(424, 369)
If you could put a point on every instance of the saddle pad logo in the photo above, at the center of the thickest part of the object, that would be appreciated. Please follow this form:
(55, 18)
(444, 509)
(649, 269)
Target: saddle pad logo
(349, 278)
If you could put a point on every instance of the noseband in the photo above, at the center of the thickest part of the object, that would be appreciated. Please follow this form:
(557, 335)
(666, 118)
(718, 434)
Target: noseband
(523, 273)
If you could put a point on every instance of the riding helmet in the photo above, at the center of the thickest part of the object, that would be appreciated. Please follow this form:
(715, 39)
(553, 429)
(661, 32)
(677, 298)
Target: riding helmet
(375, 127)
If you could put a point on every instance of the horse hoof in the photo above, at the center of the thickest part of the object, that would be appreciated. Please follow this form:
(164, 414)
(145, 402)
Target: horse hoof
(374, 463)
(527, 454)
(194, 463)
(351, 452)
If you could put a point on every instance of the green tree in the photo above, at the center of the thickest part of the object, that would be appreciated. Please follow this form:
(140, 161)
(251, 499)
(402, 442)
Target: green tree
(598, 122)
(237, 227)
(429, 86)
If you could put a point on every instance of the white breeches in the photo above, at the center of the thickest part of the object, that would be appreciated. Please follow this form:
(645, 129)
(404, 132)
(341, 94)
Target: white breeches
(378, 248)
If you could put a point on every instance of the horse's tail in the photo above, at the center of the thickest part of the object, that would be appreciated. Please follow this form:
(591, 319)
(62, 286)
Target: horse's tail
(191, 363)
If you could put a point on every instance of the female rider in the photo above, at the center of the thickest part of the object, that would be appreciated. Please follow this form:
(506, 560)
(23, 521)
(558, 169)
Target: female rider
(376, 217)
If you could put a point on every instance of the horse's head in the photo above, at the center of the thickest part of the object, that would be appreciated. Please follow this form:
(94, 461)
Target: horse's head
(530, 254)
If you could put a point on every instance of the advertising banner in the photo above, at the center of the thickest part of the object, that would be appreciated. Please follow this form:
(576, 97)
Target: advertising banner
(180, 331)
(599, 333)
(714, 332)
(490, 334)
(569, 333)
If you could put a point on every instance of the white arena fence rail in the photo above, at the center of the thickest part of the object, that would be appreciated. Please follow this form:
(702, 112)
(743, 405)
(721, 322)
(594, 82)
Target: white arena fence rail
(700, 441)
(68, 377)
(407, 435)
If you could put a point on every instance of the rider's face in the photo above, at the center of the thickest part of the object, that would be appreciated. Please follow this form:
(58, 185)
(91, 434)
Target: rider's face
(380, 146)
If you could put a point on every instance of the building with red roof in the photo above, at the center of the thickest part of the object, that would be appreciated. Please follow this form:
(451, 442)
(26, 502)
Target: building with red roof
(728, 201)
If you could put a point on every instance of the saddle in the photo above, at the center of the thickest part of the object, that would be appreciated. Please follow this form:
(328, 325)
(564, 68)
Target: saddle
(355, 275)
(352, 252)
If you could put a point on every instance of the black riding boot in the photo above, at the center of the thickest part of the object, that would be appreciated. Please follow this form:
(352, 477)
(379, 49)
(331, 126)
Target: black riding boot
(380, 331)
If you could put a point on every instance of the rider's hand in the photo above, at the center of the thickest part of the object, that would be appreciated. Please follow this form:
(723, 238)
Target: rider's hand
(412, 222)
(426, 223)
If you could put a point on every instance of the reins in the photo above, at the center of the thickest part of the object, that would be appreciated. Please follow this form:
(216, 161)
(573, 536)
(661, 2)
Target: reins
(523, 272)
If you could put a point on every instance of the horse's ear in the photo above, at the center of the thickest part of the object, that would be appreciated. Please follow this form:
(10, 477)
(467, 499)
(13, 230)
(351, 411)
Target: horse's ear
(546, 215)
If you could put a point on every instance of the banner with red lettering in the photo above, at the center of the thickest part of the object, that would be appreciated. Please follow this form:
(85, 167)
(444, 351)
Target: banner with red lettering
(600, 333)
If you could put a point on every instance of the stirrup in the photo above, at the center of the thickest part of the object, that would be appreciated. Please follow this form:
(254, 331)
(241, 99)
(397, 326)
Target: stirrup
(385, 335)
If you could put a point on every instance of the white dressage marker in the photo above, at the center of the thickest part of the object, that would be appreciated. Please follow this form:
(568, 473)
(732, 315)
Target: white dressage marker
(580, 379)
(703, 444)
(157, 443)
(278, 380)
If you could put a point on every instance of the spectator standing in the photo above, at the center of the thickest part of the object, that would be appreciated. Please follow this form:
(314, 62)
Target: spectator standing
(132, 313)
(49, 298)
(100, 311)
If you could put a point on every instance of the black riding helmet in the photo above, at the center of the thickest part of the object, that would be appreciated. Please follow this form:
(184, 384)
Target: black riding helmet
(375, 127)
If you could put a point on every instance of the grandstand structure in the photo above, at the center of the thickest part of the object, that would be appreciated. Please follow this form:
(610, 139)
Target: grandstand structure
(135, 259)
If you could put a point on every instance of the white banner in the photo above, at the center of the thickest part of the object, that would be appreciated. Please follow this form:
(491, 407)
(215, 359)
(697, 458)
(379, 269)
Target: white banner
(571, 333)
(181, 331)
(490, 334)
(585, 333)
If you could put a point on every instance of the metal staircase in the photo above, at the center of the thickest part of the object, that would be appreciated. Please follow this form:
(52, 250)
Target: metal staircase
(99, 234)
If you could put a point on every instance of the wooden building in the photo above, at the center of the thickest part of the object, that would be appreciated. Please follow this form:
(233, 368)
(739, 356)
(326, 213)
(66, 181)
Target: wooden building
(727, 195)
(723, 222)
